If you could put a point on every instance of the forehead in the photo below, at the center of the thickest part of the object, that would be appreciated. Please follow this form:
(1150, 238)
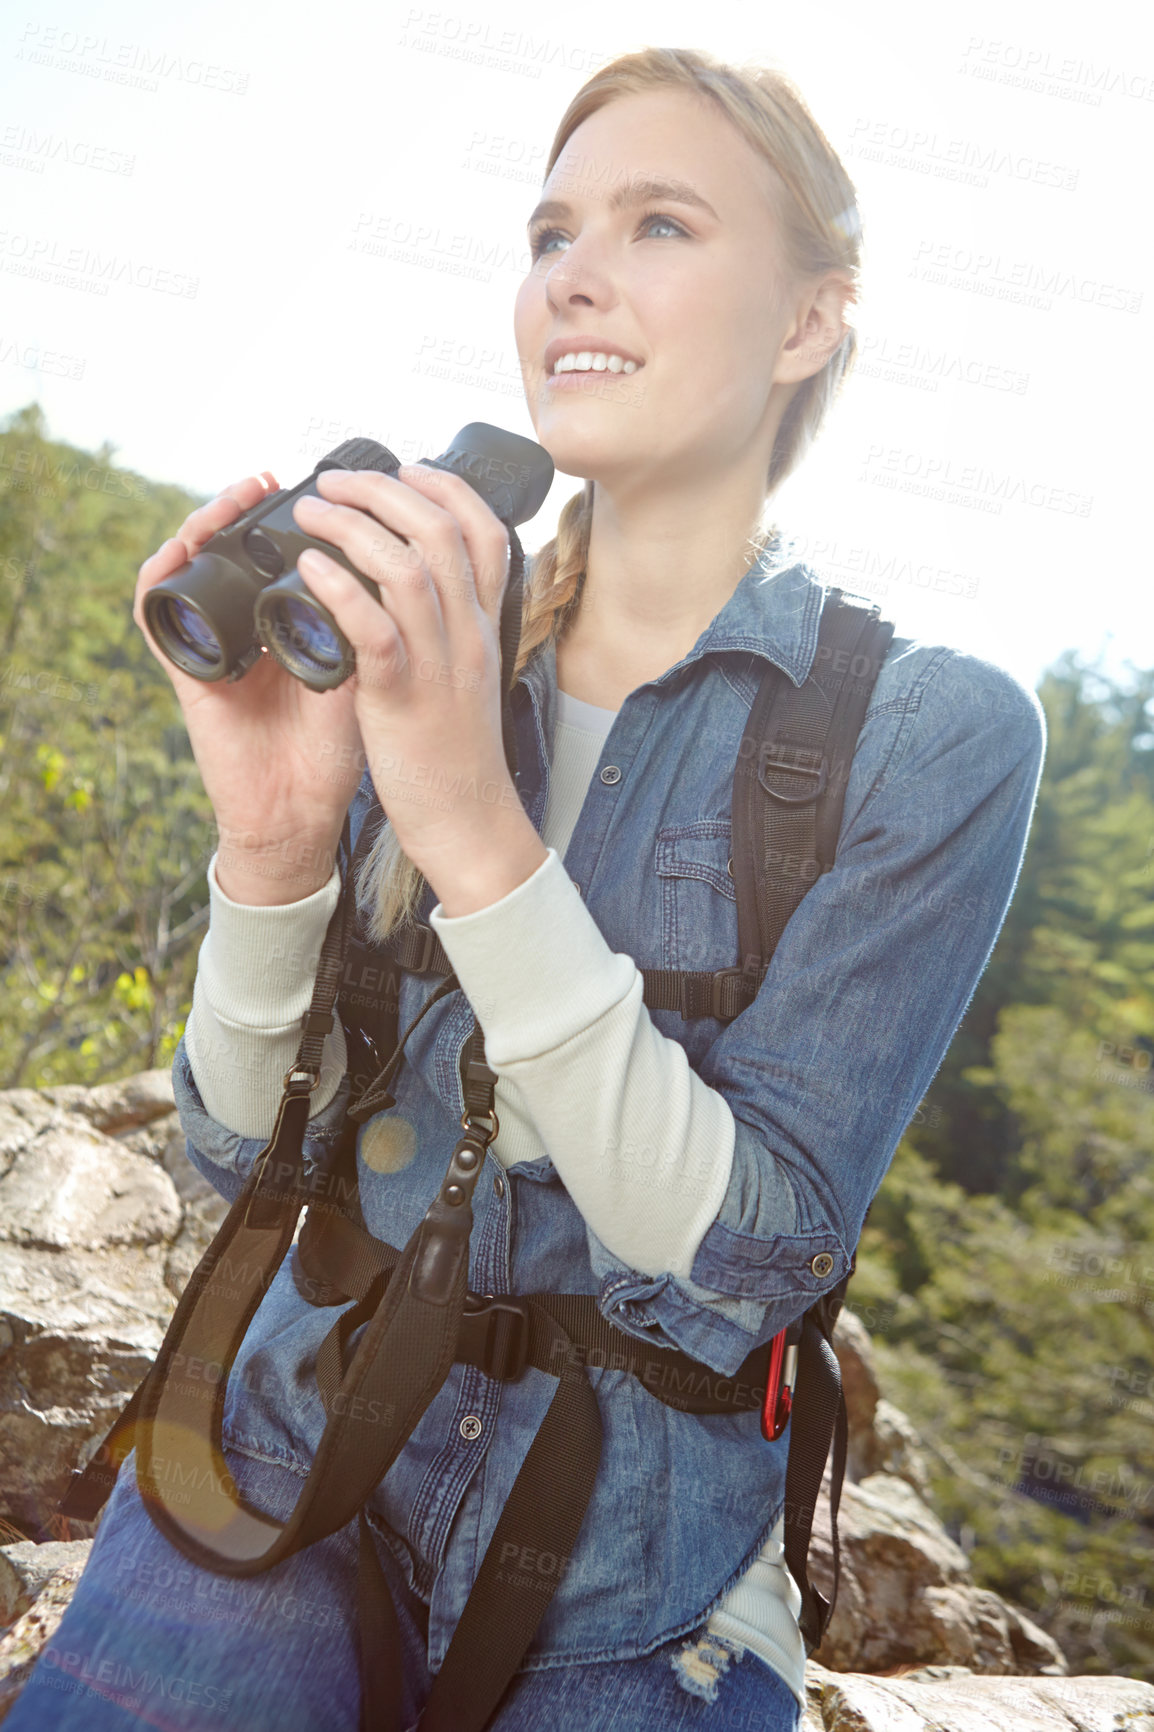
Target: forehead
(678, 137)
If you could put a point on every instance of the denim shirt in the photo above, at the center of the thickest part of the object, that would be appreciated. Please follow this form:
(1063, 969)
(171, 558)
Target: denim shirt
(823, 1071)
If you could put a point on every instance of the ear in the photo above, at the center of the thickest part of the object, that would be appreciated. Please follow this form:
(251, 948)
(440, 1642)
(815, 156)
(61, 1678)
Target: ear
(817, 329)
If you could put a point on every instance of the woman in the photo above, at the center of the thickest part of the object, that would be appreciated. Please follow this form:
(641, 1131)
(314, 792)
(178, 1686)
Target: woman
(695, 1176)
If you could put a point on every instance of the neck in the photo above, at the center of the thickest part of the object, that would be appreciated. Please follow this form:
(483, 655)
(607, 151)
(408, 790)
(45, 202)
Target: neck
(658, 570)
(656, 574)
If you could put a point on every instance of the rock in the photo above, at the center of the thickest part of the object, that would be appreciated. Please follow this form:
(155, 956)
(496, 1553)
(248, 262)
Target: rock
(20, 1646)
(26, 1568)
(895, 1449)
(97, 1240)
(951, 1699)
(118, 1106)
(854, 1351)
(905, 1593)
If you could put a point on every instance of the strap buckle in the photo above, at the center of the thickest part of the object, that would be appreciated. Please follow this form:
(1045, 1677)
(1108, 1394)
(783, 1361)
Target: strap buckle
(428, 946)
(717, 987)
(301, 1080)
(776, 757)
(495, 1331)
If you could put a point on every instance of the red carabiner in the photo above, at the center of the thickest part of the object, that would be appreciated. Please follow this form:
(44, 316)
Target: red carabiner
(779, 1384)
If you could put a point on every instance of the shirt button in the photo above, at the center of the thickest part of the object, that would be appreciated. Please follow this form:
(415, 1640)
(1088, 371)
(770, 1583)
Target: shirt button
(576, 886)
(470, 1427)
(611, 774)
(822, 1264)
(498, 1184)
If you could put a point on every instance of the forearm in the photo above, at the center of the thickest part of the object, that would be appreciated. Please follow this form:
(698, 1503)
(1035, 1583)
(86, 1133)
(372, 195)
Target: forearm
(643, 1145)
(254, 981)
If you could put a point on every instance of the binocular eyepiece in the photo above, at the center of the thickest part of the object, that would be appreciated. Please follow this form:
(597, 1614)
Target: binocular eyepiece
(243, 591)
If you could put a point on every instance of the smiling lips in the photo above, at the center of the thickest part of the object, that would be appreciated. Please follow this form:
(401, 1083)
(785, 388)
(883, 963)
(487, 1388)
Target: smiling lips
(592, 361)
(584, 352)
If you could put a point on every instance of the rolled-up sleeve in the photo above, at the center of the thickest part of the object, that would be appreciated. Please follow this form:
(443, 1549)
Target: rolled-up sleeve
(224, 1157)
(824, 1070)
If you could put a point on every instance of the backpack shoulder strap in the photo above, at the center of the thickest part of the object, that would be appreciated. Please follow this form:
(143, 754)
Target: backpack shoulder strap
(792, 770)
(788, 797)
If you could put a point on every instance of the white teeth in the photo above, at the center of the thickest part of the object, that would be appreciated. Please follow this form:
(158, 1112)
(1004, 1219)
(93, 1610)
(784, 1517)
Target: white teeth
(593, 361)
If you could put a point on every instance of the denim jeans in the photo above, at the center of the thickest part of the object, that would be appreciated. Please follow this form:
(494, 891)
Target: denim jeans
(150, 1639)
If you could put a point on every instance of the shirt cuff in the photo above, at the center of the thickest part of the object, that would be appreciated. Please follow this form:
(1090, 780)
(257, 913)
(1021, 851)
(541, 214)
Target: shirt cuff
(254, 961)
(525, 1009)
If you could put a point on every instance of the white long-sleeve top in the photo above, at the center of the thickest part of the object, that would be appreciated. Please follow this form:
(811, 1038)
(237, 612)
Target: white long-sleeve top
(590, 1058)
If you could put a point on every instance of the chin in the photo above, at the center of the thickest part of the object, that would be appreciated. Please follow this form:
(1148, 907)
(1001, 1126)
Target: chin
(590, 454)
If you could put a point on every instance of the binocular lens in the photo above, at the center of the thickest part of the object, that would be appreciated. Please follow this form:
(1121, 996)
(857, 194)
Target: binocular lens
(185, 634)
(311, 638)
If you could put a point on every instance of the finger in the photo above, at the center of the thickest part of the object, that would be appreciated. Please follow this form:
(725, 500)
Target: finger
(395, 566)
(198, 528)
(382, 652)
(240, 496)
(485, 536)
(464, 547)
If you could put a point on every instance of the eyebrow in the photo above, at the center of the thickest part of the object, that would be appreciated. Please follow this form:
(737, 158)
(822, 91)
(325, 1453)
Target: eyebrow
(639, 189)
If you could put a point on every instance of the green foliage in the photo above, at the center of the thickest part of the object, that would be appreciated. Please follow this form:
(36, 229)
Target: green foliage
(1010, 1251)
(105, 830)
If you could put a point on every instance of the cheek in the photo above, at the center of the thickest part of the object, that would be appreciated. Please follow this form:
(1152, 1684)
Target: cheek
(527, 312)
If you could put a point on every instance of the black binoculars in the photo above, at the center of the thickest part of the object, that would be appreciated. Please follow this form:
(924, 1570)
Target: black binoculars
(243, 591)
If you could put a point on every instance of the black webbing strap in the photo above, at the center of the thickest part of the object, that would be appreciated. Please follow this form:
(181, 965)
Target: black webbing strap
(724, 994)
(819, 1414)
(793, 766)
(545, 1509)
(335, 1261)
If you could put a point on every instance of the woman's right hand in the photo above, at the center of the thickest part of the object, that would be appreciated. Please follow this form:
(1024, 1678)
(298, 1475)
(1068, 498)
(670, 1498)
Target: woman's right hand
(279, 762)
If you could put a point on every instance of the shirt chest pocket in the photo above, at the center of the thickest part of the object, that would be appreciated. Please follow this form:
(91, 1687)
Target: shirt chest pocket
(698, 895)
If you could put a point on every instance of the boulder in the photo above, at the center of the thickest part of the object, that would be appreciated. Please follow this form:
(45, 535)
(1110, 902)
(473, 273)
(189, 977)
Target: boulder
(20, 1645)
(954, 1699)
(102, 1220)
(26, 1569)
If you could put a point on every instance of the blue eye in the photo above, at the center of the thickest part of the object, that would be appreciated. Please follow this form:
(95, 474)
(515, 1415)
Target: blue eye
(538, 240)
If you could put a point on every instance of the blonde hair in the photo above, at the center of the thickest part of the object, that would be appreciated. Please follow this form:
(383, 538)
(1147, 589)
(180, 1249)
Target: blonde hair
(816, 210)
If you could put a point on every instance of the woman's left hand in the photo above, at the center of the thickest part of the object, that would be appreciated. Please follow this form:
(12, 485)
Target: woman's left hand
(428, 699)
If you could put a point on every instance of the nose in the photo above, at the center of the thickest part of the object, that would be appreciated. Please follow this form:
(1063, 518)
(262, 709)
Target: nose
(575, 280)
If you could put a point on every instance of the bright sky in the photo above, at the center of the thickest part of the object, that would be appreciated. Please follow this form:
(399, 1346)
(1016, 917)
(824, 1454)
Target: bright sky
(232, 236)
